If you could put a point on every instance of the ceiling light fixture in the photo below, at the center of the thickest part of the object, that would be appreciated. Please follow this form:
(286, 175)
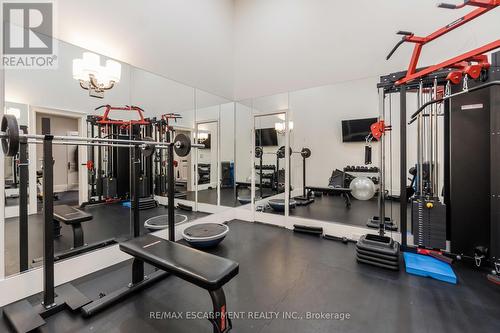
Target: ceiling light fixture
(94, 77)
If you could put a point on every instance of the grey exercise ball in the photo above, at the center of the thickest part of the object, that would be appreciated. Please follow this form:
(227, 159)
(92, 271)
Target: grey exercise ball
(362, 188)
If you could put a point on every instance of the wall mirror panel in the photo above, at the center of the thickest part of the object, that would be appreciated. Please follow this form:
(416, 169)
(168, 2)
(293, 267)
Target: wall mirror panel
(334, 131)
(216, 162)
(270, 159)
(54, 102)
(243, 152)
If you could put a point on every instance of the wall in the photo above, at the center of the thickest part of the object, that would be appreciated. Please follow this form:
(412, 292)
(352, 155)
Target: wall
(190, 41)
(284, 45)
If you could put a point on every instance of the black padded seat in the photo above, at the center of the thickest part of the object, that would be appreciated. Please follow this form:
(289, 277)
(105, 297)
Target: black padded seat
(73, 217)
(70, 215)
(203, 269)
(343, 191)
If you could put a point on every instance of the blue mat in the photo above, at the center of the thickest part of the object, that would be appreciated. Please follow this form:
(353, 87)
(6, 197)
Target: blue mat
(127, 204)
(421, 265)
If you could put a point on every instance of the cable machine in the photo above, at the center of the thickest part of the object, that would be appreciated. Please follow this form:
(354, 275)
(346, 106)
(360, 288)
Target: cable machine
(461, 220)
(108, 167)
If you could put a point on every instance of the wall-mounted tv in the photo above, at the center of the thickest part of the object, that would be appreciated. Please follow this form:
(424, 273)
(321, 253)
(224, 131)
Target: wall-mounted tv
(205, 141)
(356, 130)
(265, 137)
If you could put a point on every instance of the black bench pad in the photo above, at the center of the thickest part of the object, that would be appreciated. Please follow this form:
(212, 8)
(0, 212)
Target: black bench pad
(328, 189)
(69, 215)
(200, 268)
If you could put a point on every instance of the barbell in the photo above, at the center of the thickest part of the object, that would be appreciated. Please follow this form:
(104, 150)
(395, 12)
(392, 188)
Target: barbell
(305, 152)
(10, 138)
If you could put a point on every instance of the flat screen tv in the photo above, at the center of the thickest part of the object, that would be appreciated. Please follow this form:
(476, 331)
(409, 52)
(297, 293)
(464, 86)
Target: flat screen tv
(265, 137)
(356, 130)
(206, 141)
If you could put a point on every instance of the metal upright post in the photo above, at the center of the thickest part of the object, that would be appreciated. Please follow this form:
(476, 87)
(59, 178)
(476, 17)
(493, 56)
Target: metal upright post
(304, 177)
(260, 178)
(137, 265)
(171, 193)
(48, 217)
(381, 199)
(23, 205)
(402, 171)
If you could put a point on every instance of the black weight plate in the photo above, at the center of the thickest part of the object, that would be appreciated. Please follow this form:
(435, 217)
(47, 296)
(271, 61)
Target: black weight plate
(150, 148)
(258, 152)
(10, 144)
(182, 145)
(306, 152)
(281, 152)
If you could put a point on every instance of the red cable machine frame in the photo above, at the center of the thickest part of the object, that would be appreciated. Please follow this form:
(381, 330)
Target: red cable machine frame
(464, 61)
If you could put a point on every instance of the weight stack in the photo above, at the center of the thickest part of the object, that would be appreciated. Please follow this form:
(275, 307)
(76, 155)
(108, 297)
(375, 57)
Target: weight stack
(143, 187)
(109, 187)
(428, 218)
(146, 203)
(380, 251)
(160, 185)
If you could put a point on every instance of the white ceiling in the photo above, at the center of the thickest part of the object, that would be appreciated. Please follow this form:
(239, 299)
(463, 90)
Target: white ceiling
(246, 48)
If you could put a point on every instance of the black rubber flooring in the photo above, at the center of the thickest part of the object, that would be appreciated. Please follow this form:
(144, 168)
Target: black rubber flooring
(109, 221)
(288, 273)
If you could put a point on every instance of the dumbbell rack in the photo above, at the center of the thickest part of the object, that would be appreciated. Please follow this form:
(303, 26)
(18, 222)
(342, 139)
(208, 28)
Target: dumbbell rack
(353, 170)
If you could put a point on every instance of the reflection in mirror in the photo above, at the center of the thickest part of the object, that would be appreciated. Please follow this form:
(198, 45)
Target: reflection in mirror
(56, 101)
(92, 184)
(207, 134)
(270, 164)
(337, 157)
(215, 162)
(11, 164)
(168, 108)
(243, 152)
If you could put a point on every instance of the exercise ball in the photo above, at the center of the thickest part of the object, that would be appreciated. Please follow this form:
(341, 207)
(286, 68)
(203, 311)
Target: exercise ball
(362, 188)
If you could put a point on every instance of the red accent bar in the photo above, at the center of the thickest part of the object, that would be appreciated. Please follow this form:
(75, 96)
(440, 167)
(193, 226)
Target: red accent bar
(484, 7)
(469, 56)
(223, 318)
(106, 121)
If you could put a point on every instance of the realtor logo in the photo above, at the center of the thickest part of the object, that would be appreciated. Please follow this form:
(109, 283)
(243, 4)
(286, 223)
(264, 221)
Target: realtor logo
(28, 34)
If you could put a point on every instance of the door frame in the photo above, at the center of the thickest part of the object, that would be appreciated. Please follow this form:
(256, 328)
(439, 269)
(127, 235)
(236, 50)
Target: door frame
(218, 175)
(82, 152)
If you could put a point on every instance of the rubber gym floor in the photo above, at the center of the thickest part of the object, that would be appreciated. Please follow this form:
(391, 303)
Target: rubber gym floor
(285, 272)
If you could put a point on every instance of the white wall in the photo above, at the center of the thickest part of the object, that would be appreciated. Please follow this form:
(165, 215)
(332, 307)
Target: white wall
(190, 41)
(284, 45)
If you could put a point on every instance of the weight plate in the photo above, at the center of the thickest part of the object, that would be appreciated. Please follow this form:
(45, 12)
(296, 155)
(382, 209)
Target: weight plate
(258, 152)
(149, 149)
(182, 145)
(10, 144)
(281, 152)
(306, 152)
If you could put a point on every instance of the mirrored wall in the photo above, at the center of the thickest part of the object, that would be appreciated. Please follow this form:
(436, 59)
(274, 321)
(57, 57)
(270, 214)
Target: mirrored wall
(97, 183)
(330, 177)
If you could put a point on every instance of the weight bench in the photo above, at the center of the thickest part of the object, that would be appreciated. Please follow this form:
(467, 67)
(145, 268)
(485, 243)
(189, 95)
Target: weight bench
(203, 269)
(73, 217)
(344, 192)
